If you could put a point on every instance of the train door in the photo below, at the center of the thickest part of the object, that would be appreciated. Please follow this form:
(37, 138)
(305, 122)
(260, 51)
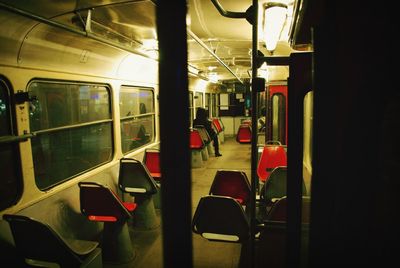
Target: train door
(277, 113)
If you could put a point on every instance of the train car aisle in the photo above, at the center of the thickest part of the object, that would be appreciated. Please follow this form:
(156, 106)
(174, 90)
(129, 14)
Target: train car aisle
(235, 156)
(148, 243)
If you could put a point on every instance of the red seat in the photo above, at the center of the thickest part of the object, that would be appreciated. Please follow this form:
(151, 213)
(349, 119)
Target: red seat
(151, 160)
(100, 203)
(246, 122)
(217, 125)
(203, 133)
(244, 134)
(196, 142)
(232, 183)
(272, 156)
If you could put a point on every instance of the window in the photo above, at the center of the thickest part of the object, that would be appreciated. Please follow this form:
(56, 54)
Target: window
(231, 104)
(74, 129)
(191, 112)
(199, 99)
(207, 103)
(214, 101)
(137, 117)
(279, 118)
(10, 179)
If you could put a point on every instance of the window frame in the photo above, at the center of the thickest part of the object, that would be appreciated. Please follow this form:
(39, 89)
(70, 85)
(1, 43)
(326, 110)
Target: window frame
(71, 129)
(151, 114)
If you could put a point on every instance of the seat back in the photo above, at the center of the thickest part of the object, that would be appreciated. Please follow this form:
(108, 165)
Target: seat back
(273, 237)
(100, 203)
(233, 183)
(217, 125)
(278, 211)
(203, 133)
(272, 156)
(196, 142)
(151, 160)
(220, 218)
(246, 122)
(38, 242)
(134, 178)
(275, 187)
(244, 134)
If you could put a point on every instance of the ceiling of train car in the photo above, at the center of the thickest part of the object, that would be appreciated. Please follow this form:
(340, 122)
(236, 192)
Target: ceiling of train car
(132, 25)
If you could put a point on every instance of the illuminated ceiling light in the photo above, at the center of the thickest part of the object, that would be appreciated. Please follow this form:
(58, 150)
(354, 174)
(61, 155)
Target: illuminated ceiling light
(274, 19)
(263, 71)
(213, 77)
(193, 70)
(201, 85)
(150, 47)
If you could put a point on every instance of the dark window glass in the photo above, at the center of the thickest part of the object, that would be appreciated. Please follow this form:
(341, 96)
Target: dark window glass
(207, 102)
(214, 102)
(137, 117)
(74, 130)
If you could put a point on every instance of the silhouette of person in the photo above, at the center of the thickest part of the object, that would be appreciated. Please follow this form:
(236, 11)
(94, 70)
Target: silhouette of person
(261, 122)
(202, 119)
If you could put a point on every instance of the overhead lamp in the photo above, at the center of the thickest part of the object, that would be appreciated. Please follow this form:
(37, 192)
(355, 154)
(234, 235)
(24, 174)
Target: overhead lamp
(213, 77)
(263, 71)
(274, 19)
(193, 70)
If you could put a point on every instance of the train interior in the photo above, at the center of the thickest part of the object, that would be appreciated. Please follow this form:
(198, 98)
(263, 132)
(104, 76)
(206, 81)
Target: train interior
(74, 58)
(103, 165)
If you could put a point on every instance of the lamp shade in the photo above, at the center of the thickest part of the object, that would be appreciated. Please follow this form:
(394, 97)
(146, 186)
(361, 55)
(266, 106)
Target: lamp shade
(274, 19)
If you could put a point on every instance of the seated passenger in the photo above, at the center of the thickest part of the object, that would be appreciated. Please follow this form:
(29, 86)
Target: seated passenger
(202, 119)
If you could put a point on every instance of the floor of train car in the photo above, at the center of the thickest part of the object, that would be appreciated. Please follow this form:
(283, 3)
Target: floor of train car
(148, 244)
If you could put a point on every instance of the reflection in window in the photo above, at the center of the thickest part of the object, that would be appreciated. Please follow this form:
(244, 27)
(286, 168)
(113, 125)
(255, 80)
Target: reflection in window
(198, 100)
(60, 105)
(74, 130)
(10, 179)
(137, 117)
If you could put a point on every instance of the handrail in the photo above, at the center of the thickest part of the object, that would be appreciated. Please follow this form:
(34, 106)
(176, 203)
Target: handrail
(70, 29)
(12, 138)
(228, 14)
(201, 43)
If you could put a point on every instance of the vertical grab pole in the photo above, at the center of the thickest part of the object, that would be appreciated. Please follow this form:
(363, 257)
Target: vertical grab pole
(254, 112)
(174, 134)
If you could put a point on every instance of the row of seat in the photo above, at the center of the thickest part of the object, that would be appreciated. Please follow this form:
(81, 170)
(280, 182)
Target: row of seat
(201, 144)
(235, 184)
(40, 244)
(221, 216)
